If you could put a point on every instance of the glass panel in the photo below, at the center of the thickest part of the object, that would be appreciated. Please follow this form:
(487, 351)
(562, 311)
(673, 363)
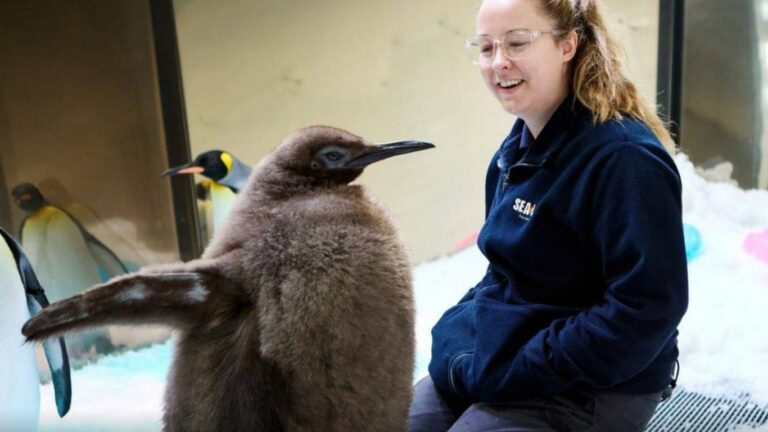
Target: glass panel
(80, 122)
(723, 103)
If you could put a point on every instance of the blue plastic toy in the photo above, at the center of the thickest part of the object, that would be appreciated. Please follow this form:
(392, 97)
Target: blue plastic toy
(692, 241)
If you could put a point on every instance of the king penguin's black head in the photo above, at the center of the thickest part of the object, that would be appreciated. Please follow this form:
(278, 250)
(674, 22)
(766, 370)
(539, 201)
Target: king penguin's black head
(214, 164)
(326, 155)
(28, 197)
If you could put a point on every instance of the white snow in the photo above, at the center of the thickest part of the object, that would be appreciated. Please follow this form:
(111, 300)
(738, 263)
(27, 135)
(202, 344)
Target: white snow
(118, 393)
(723, 337)
(723, 341)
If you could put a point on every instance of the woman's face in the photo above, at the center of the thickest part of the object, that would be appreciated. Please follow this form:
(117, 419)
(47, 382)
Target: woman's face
(532, 85)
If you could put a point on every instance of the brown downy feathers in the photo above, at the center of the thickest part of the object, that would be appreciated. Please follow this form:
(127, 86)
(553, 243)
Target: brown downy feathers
(298, 317)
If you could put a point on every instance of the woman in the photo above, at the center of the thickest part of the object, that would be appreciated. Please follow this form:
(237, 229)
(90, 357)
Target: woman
(574, 325)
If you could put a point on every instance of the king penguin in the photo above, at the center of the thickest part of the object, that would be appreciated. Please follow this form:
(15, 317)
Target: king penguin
(299, 315)
(227, 174)
(47, 230)
(66, 256)
(23, 296)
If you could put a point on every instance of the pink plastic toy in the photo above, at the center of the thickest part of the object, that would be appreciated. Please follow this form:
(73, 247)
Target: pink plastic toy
(466, 242)
(757, 245)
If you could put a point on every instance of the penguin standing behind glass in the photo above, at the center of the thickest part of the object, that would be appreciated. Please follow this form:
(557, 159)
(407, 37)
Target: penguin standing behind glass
(227, 175)
(67, 258)
(23, 296)
(299, 316)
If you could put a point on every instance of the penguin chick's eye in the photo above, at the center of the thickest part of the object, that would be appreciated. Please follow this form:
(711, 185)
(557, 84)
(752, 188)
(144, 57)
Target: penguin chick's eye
(333, 155)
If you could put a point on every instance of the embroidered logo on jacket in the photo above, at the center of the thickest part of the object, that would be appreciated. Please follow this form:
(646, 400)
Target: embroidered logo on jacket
(524, 208)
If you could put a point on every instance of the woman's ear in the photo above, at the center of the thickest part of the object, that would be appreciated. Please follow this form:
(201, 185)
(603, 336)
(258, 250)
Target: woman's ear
(568, 45)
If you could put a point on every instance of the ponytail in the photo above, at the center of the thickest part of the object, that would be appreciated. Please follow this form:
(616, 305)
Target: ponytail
(597, 78)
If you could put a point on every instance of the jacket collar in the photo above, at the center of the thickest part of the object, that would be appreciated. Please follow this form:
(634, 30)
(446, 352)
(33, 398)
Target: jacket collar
(549, 141)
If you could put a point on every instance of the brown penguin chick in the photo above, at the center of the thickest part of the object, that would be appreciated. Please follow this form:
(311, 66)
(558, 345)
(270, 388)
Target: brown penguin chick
(298, 317)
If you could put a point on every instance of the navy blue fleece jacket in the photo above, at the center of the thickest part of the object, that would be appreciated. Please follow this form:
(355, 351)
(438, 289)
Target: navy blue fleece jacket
(587, 280)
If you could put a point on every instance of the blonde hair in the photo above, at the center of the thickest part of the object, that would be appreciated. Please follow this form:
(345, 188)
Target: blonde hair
(597, 78)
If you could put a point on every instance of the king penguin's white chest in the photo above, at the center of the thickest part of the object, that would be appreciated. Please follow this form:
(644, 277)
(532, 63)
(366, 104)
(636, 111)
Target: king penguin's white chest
(19, 380)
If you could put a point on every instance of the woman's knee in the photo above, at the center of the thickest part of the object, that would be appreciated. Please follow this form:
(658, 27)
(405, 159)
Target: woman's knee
(429, 412)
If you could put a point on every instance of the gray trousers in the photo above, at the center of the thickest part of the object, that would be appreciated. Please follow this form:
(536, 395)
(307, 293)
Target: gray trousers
(434, 411)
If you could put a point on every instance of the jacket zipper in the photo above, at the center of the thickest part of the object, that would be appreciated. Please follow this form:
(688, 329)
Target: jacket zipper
(507, 175)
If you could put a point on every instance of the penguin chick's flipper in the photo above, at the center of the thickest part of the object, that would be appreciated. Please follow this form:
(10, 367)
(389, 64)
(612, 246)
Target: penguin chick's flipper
(55, 350)
(174, 299)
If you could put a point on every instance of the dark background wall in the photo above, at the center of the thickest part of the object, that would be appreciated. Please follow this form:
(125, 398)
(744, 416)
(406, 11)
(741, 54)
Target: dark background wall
(80, 117)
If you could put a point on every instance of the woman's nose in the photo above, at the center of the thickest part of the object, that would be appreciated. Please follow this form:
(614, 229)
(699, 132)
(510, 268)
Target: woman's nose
(500, 59)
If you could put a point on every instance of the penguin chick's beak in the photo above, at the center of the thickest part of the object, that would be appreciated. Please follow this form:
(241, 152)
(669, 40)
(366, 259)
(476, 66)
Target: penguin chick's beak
(384, 151)
(189, 168)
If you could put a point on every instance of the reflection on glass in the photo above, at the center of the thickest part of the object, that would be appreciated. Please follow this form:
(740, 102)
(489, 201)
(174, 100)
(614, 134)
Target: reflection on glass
(82, 143)
(723, 107)
(66, 258)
